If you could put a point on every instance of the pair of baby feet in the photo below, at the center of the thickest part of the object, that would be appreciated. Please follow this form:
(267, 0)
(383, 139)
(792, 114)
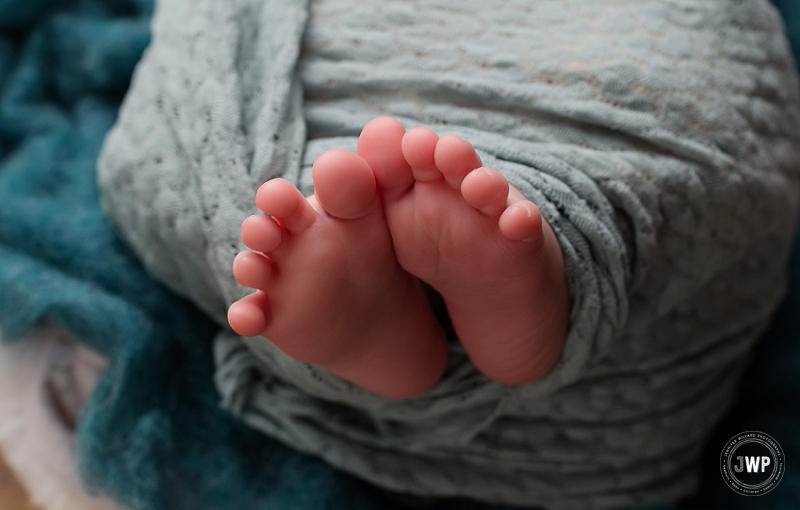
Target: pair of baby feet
(337, 274)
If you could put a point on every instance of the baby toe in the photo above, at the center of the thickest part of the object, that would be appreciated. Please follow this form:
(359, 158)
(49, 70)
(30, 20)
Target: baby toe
(248, 316)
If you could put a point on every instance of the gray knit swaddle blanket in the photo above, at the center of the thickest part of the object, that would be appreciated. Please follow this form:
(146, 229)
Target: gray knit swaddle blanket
(658, 137)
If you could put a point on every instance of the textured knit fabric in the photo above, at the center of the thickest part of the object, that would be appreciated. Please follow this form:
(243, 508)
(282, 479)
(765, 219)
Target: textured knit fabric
(659, 139)
(153, 435)
(44, 382)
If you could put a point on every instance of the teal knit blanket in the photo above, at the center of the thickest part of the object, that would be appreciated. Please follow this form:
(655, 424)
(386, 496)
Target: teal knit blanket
(154, 435)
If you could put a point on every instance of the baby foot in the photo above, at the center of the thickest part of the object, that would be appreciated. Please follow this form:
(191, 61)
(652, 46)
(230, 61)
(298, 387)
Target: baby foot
(463, 230)
(330, 290)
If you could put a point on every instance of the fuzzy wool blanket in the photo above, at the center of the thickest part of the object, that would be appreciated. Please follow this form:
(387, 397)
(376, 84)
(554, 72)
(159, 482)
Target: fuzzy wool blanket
(661, 141)
(153, 435)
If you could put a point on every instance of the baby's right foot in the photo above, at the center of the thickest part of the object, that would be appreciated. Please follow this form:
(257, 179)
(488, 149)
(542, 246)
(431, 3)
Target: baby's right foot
(485, 248)
(330, 290)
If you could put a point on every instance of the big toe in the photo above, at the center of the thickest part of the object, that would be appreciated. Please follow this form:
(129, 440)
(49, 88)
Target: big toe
(380, 146)
(344, 184)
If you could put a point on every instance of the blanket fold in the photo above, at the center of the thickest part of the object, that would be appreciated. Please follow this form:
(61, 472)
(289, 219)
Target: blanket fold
(153, 435)
(662, 151)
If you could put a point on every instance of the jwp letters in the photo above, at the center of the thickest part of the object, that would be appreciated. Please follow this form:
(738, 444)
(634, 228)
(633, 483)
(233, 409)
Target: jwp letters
(751, 463)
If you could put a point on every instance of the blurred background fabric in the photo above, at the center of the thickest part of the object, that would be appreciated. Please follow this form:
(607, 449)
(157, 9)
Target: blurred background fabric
(152, 434)
(44, 381)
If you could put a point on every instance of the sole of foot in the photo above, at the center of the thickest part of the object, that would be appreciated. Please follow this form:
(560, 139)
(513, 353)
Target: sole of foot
(461, 228)
(329, 289)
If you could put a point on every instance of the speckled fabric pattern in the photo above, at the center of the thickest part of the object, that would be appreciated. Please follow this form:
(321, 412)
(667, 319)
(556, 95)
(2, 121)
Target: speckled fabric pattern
(660, 139)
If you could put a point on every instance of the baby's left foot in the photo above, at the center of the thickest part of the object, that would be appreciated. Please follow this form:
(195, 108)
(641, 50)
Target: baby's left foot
(330, 291)
(463, 230)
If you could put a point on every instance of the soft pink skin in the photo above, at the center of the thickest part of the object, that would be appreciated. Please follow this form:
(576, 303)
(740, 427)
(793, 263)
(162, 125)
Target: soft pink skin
(337, 273)
(463, 230)
(330, 291)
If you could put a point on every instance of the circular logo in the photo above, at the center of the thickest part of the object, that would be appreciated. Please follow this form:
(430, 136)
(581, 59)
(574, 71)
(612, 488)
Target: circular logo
(752, 463)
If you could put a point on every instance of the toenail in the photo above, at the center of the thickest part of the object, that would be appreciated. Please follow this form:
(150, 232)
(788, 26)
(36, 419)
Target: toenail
(525, 209)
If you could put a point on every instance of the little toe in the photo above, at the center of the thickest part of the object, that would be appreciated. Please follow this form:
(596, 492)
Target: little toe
(248, 316)
(344, 184)
(418, 147)
(521, 221)
(380, 146)
(284, 202)
(261, 233)
(252, 270)
(486, 189)
(455, 158)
